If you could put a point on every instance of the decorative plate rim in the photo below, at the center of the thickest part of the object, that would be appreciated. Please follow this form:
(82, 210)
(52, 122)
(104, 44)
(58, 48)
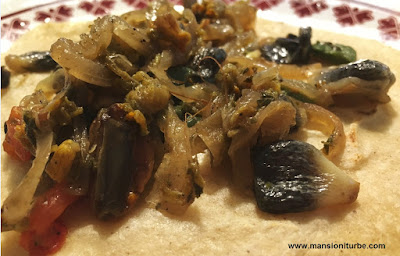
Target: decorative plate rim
(364, 18)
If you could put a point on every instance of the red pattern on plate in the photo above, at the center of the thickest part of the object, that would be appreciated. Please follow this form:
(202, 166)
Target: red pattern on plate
(14, 29)
(385, 21)
(178, 2)
(139, 4)
(307, 8)
(97, 8)
(265, 4)
(345, 15)
(61, 13)
(390, 28)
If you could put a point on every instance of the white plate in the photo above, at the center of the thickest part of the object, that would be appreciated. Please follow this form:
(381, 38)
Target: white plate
(377, 20)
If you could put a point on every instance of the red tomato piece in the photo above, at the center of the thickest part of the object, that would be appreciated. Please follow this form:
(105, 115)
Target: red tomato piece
(46, 234)
(45, 243)
(48, 207)
(15, 133)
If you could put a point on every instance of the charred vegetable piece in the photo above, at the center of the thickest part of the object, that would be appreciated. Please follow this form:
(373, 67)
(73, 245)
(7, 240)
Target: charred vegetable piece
(187, 112)
(114, 170)
(78, 179)
(180, 73)
(369, 78)
(183, 75)
(334, 53)
(275, 53)
(30, 127)
(180, 110)
(294, 176)
(290, 50)
(115, 165)
(368, 70)
(248, 124)
(31, 62)
(144, 152)
(192, 120)
(267, 97)
(207, 62)
(217, 53)
(5, 77)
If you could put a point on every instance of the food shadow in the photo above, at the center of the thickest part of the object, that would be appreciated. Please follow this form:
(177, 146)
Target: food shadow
(332, 214)
(379, 121)
(81, 215)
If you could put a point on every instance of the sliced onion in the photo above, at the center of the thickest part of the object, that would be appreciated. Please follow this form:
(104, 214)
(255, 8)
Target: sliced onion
(136, 18)
(321, 119)
(198, 92)
(76, 64)
(177, 176)
(52, 84)
(266, 79)
(247, 124)
(136, 38)
(93, 44)
(254, 128)
(304, 72)
(18, 204)
(259, 63)
(212, 134)
(33, 101)
(217, 32)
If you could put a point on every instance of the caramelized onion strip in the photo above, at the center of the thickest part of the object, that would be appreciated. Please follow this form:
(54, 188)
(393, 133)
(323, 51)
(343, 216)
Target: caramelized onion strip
(18, 203)
(87, 70)
(329, 124)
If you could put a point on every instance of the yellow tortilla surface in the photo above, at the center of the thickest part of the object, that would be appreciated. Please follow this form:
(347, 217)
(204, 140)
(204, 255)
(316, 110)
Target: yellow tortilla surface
(223, 222)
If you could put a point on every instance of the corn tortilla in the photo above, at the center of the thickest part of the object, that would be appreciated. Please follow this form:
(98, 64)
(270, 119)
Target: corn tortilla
(221, 221)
